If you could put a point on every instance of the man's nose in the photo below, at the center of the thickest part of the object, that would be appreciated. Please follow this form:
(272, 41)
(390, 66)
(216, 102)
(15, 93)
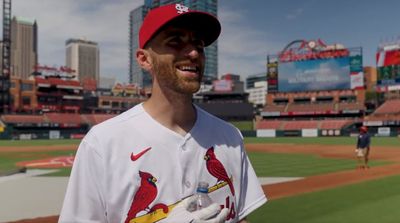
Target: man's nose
(193, 51)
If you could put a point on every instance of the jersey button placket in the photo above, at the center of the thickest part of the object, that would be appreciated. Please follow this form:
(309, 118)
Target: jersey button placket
(188, 184)
(183, 145)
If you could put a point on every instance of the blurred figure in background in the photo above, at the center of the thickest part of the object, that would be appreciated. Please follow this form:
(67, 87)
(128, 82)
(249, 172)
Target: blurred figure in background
(363, 148)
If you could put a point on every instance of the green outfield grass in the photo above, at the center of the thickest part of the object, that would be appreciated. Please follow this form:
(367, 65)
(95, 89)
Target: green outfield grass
(374, 201)
(265, 164)
(299, 165)
(375, 141)
(8, 160)
(39, 142)
(243, 125)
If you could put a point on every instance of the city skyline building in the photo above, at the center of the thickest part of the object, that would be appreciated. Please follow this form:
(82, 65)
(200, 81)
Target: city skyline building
(136, 74)
(136, 16)
(24, 47)
(83, 56)
(257, 88)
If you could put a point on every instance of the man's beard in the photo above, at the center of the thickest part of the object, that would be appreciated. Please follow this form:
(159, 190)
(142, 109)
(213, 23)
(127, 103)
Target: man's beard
(168, 77)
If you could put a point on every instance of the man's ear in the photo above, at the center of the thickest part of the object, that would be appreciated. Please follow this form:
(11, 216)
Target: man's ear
(143, 59)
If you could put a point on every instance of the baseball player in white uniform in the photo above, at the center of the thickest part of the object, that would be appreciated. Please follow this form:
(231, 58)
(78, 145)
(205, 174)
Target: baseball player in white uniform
(144, 165)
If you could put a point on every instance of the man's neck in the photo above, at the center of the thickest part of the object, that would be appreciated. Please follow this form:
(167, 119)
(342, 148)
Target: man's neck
(175, 112)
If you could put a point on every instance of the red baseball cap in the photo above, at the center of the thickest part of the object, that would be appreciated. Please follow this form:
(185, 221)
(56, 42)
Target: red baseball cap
(157, 18)
(364, 128)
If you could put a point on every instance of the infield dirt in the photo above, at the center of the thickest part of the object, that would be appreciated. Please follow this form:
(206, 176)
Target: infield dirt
(331, 180)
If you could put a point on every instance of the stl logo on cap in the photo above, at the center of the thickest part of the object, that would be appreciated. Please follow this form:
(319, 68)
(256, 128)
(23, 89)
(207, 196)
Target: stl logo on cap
(181, 8)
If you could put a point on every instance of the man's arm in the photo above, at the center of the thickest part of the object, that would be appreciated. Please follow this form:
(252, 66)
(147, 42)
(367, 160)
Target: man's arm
(83, 200)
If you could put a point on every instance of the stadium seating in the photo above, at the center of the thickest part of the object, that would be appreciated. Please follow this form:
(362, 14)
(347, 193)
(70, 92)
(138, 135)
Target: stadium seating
(275, 108)
(311, 107)
(268, 124)
(334, 124)
(298, 125)
(24, 119)
(389, 107)
(302, 124)
(94, 119)
(64, 118)
(350, 106)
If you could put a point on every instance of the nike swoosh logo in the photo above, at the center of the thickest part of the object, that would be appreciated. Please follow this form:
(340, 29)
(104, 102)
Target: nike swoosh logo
(137, 156)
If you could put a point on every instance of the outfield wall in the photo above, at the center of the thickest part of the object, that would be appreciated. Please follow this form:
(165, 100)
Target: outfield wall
(28, 133)
(380, 131)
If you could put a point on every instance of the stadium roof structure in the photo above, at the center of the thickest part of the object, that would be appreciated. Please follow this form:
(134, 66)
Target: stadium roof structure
(223, 93)
(24, 119)
(60, 83)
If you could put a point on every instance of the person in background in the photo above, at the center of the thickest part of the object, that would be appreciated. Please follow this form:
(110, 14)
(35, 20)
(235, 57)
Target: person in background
(363, 148)
(145, 164)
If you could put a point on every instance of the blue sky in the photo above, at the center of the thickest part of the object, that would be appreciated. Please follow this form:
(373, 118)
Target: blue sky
(250, 29)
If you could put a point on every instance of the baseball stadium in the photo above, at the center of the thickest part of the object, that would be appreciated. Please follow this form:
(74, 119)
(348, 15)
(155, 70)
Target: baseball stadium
(301, 144)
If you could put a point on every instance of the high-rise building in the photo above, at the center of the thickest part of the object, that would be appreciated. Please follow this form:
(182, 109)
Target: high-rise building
(136, 16)
(252, 79)
(257, 86)
(83, 57)
(136, 74)
(24, 47)
(1, 53)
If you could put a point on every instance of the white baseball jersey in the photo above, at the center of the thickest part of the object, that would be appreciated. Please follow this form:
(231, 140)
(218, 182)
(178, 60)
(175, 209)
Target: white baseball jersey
(133, 169)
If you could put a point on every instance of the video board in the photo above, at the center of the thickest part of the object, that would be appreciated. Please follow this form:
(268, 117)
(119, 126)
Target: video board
(314, 75)
(322, 69)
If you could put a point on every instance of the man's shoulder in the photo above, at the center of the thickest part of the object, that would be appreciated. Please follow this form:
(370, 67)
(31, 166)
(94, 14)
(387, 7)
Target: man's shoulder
(208, 117)
(119, 121)
(217, 124)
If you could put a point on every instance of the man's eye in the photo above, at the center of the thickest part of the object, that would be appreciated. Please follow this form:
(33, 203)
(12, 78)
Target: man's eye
(199, 43)
(174, 41)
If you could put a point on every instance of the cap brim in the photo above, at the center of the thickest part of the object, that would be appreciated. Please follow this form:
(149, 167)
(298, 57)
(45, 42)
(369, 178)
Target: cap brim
(207, 25)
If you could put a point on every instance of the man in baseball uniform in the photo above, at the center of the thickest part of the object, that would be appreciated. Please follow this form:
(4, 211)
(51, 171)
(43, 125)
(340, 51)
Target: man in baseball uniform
(363, 147)
(145, 164)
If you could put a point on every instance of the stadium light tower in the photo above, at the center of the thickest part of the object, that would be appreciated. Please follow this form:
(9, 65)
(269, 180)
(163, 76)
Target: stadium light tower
(5, 71)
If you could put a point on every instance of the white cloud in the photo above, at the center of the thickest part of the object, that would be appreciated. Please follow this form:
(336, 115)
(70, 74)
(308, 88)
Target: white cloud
(105, 22)
(242, 49)
(296, 13)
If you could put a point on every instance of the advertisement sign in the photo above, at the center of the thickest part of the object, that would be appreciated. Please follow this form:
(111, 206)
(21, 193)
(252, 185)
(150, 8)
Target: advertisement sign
(314, 75)
(389, 75)
(384, 131)
(373, 123)
(387, 58)
(357, 80)
(54, 134)
(272, 76)
(25, 136)
(117, 89)
(222, 85)
(270, 114)
(266, 133)
(309, 132)
(356, 63)
(388, 63)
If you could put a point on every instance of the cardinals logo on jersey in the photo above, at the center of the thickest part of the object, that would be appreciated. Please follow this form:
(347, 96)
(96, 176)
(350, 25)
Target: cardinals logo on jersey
(146, 194)
(216, 169)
